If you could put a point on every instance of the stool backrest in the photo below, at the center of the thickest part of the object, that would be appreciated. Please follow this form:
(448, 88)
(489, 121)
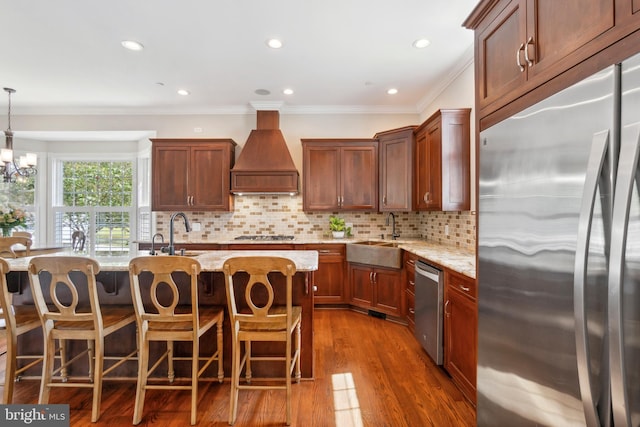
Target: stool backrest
(161, 305)
(6, 299)
(259, 286)
(64, 291)
(7, 244)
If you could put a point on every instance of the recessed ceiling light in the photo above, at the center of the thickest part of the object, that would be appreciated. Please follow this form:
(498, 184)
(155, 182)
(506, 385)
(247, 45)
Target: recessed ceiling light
(183, 92)
(262, 92)
(421, 43)
(392, 91)
(132, 45)
(288, 91)
(274, 43)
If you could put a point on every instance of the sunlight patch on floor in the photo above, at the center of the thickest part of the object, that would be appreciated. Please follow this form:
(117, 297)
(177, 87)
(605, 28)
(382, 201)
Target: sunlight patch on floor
(345, 401)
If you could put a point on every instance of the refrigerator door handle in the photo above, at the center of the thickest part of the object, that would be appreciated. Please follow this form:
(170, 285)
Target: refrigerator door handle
(597, 173)
(627, 175)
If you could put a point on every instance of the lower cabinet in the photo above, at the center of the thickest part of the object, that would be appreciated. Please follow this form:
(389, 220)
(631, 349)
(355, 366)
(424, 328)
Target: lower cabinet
(329, 279)
(461, 331)
(375, 288)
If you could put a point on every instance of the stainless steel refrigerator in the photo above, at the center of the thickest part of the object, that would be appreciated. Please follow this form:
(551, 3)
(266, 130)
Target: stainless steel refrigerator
(559, 259)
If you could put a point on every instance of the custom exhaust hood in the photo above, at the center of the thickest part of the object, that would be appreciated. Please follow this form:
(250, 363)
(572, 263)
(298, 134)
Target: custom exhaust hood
(265, 164)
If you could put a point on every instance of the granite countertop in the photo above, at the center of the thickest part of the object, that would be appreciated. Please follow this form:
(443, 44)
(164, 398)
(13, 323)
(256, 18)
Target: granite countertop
(451, 257)
(210, 260)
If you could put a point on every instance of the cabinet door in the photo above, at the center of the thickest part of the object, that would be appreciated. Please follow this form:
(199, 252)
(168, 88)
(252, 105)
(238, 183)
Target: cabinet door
(209, 185)
(428, 165)
(558, 28)
(396, 172)
(321, 178)
(359, 178)
(170, 171)
(387, 291)
(361, 281)
(455, 147)
(499, 48)
(461, 340)
(329, 278)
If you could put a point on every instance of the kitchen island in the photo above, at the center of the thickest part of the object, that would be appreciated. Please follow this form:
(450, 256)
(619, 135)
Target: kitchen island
(114, 289)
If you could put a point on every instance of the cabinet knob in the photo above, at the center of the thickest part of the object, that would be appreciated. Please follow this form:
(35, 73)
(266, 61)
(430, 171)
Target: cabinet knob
(412, 283)
(412, 311)
(446, 304)
(465, 288)
(315, 288)
(427, 197)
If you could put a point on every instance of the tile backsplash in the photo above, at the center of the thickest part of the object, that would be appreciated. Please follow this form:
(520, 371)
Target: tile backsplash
(270, 214)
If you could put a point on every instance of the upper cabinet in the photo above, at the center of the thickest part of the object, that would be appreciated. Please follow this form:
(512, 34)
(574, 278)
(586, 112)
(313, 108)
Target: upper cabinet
(192, 174)
(397, 148)
(442, 161)
(340, 174)
(520, 44)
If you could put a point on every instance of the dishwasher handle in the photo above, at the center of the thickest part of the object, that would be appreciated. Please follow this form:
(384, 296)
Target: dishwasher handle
(428, 271)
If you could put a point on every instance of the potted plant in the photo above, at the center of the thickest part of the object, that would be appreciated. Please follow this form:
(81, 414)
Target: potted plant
(337, 226)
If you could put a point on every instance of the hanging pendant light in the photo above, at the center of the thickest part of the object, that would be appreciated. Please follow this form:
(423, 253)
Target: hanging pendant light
(26, 165)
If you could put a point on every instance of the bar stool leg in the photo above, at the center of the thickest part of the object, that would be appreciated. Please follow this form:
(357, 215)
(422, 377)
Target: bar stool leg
(219, 349)
(143, 367)
(247, 355)
(171, 374)
(91, 348)
(97, 381)
(10, 367)
(47, 365)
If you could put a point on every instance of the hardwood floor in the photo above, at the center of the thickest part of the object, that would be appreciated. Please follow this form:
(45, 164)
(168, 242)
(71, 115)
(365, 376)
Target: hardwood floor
(369, 372)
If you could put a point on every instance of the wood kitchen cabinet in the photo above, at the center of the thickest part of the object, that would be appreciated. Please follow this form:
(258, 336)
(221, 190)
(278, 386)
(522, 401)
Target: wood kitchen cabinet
(191, 174)
(340, 175)
(375, 288)
(409, 263)
(519, 44)
(396, 148)
(442, 162)
(461, 331)
(329, 279)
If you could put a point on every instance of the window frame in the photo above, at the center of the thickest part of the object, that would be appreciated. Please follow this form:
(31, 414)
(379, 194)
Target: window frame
(55, 196)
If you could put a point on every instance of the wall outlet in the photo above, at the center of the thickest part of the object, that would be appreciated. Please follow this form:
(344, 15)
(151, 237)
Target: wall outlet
(446, 230)
(195, 226)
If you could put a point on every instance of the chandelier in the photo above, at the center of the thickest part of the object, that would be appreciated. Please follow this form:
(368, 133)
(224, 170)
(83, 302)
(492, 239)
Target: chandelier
(26, 165)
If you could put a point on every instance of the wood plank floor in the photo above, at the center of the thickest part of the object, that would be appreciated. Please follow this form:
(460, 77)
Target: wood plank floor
(369, 372)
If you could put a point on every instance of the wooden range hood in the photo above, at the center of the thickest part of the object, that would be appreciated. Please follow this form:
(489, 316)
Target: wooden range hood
(265, 164)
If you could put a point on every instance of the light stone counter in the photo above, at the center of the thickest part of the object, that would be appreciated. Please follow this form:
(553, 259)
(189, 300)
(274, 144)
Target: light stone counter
(209, 260)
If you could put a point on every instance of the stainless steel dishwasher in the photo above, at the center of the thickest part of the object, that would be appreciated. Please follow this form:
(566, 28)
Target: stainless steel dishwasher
(429, 293)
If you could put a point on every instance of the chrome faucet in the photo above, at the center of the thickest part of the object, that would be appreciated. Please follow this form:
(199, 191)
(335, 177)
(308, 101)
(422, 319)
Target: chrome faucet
(171, 250)
(394, 235)
(153, 241)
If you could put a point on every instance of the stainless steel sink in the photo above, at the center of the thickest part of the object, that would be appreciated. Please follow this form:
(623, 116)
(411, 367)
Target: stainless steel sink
(381, 254)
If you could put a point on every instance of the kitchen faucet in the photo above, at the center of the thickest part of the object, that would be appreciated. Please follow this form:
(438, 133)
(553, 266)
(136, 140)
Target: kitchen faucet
(394, 235)
(171, 248)
(153, 241)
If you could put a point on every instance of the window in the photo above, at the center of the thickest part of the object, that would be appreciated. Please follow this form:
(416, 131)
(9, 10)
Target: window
(93, 206)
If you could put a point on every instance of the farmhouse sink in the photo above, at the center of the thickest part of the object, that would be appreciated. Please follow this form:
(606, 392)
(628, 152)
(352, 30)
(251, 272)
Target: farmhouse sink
(380, 254)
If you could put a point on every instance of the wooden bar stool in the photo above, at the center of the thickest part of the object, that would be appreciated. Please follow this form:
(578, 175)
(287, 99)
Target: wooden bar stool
(14, 321)
(162, 319)
(65, 319)
(253, 320)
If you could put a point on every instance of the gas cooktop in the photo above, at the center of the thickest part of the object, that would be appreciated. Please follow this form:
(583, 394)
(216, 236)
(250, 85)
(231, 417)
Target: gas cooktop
(268, 237)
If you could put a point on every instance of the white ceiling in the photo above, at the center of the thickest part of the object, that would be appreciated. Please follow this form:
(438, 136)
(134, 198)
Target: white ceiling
(65, 57)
